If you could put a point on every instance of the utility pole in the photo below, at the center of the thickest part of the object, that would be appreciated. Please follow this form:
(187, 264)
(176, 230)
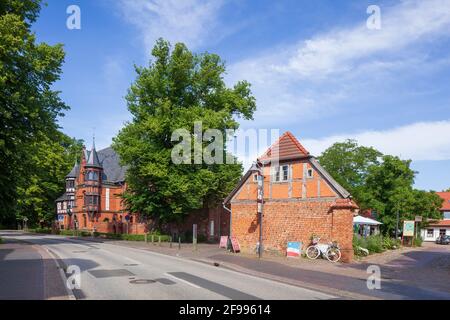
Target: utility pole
(260, 200)
(396, 229)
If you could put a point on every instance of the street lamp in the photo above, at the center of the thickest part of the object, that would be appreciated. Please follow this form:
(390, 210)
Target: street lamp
(258, 170)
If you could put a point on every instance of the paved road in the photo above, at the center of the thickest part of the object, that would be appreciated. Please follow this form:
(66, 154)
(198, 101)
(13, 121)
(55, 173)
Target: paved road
(115, 272)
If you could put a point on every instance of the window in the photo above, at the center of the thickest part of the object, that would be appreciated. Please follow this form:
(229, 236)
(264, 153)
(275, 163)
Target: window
(255, 178)
(70, 184)
(310, 173)
(281, 174)
(447, 215)
(442, 232)
(90, 200)
(91, 175)
(430, 233)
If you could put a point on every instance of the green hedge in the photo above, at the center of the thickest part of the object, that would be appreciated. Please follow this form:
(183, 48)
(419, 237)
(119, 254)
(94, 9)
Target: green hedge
(41, 230)
(126, 237)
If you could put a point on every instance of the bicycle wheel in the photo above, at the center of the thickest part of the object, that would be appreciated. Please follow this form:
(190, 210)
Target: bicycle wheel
(333, 254)
(312, 252)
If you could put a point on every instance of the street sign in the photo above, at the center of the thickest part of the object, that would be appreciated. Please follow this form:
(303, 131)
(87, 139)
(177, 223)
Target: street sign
(235, 244)
(223, 242)
(408, 228)
(418, 219)
(294, 249)
(60, 218)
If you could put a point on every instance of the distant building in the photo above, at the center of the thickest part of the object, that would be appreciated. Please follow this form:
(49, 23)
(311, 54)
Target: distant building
(300, 199)
(439, 227)
(93, 197)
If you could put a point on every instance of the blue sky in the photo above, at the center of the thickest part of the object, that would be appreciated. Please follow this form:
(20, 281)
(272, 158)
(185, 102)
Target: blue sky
(315, 67)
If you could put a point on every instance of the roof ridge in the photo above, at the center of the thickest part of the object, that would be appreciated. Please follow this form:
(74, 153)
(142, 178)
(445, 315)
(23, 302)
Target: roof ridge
(293, 139)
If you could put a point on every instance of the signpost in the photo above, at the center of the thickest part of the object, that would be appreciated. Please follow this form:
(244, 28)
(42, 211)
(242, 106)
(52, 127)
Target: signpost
(194, 236)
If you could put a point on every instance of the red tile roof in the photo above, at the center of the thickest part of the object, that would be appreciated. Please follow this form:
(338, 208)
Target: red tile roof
(441, 223)
(446, 197)
(286, 147)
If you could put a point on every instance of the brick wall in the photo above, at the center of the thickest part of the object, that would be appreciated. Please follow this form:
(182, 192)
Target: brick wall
(286, 221)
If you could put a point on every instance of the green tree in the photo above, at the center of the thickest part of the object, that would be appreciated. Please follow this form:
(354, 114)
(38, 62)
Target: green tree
(349, 165)
(379, 182)
(176, 90)
(29, 108)
(51, 159)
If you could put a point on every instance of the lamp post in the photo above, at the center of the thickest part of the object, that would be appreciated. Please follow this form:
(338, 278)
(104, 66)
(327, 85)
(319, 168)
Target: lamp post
(257, 169)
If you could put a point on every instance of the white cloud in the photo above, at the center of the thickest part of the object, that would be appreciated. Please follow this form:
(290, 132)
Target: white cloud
(188, 21)
(341, 50)
(311, 78)
(418, 141)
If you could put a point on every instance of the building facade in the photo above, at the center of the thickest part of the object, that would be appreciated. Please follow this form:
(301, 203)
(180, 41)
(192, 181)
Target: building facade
(300, 200)
(93, 198)
(440, 227)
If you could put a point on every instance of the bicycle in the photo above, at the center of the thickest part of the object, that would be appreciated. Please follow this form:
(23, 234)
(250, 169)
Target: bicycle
(331, 251)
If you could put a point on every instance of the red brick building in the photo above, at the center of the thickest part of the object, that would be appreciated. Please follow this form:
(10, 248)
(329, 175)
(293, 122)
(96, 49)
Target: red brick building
(93, 197)
(300, 199)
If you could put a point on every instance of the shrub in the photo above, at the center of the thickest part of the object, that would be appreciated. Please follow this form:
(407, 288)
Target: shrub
(418, 241)
(1, 241)
(390, 243)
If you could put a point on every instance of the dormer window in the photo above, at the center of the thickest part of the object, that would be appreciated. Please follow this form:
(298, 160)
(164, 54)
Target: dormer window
(91, 175)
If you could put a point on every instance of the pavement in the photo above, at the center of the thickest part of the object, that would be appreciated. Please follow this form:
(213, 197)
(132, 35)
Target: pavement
(408, 273)
(118, 272)
(28, 272)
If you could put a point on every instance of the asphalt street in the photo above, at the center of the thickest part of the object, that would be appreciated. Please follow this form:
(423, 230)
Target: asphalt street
(115, 272)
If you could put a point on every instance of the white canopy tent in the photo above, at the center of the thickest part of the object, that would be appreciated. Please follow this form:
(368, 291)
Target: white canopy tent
(366, 226)
(365, 221)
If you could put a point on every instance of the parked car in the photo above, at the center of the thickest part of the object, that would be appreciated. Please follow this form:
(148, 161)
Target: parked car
(443, 240)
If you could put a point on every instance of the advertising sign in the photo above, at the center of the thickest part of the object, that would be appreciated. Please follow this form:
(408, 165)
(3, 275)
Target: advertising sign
(60, 218)
(223, 242)
(408, 228)
(294, 249)
(235, 244)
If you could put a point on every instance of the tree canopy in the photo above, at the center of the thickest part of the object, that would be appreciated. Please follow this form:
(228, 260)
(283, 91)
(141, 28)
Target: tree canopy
(176, 90)
(382, 183)
(29, 110)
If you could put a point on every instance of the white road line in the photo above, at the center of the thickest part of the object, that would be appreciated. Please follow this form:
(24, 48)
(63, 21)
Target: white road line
(182, 280)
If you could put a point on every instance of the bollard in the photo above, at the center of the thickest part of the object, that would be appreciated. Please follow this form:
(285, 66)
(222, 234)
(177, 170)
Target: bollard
(159, 241)
(179, 243)
(153, 239)
(170, 242)
(145, 236)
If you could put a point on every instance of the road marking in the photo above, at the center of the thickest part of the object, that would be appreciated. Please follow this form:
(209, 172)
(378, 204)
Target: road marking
(181, 280)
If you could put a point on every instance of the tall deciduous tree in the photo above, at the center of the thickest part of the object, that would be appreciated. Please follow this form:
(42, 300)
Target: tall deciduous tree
(176, 90)
(29, 108)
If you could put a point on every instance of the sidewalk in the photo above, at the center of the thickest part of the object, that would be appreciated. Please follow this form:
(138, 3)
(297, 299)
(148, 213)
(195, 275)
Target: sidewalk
(28, 272)
(348, 281)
